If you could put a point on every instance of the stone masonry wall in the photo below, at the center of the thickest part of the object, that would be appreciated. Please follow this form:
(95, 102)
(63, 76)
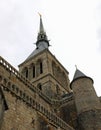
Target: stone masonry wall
(90, 120)
(19, 116)
(26, 103)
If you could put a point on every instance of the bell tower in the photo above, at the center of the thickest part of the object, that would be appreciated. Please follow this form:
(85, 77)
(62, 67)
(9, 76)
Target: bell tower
(43, 70)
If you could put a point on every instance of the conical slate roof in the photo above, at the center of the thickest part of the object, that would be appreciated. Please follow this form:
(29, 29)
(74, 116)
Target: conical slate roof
(78, 74)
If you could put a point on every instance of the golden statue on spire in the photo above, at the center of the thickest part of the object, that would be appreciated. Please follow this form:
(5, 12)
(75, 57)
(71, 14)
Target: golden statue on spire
(40, 15)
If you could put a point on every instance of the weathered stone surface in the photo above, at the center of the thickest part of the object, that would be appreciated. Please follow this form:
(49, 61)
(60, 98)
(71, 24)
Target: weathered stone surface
(39, 95)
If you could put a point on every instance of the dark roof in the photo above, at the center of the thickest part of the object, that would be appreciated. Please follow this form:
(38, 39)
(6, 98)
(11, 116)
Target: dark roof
(41, 47)
(78, 74)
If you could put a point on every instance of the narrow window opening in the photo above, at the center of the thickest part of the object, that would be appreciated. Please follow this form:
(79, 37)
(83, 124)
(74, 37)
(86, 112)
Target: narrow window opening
(33, 71)
(40, 87)
(41, 68)
(27, 73)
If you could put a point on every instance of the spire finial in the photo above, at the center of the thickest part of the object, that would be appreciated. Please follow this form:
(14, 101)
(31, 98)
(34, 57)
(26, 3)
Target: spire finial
(76, 67)
(42, 34)
(40, 15)
(41, 28)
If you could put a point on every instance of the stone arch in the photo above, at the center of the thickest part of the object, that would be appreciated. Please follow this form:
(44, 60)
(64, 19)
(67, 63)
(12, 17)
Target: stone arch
(54, 68)
(25, 72)
(39, 67)
(32, 70)
(59, 71)
(60, 75)
(64, 79)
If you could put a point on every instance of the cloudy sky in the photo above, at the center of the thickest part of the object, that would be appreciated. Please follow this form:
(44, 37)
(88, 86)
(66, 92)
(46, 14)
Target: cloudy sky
(72, 26)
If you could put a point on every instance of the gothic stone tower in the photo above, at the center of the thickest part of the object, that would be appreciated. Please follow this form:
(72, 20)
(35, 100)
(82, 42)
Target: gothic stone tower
(87, 103)
(34, 93)
(38, 96)
(43, 70)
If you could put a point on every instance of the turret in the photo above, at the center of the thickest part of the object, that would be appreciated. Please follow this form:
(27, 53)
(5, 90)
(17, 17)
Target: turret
(87, 103)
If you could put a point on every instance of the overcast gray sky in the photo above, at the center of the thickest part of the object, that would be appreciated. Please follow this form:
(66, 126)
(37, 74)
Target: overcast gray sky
(72, 26)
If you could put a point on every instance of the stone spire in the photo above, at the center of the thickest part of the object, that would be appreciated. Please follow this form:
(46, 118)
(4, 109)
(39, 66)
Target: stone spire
(42, 42)
(41, 28)
(42, 34)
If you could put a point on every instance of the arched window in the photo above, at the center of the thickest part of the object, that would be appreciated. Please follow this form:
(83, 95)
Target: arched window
(26, 73)
(41, 68)
(33, 71)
